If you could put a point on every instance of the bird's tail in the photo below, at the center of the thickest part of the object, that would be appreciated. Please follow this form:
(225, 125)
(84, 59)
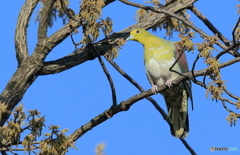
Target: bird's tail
(177, 106)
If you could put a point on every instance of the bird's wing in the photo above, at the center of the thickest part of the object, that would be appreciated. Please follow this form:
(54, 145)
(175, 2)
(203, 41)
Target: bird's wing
(182, 62)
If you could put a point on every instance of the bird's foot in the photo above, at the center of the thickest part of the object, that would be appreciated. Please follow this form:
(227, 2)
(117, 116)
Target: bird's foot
(154, 89)
(169, 83)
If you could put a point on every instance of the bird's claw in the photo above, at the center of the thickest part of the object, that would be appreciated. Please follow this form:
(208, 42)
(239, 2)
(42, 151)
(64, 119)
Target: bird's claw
(169, 83)
(154, 89)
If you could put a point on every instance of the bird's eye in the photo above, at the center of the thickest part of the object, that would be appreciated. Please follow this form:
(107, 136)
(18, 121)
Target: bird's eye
(137, 31)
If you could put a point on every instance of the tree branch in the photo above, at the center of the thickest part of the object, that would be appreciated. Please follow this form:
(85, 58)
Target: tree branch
(170, 13)
(234, 30)
(56, 38)
(18, 149)
(114, 97)
(188, 147)
(231, 47)
(27, 71)
(209, 25)
(45, 15)
(83, 54)
(125, 105)
(21, 29)
(230, 94)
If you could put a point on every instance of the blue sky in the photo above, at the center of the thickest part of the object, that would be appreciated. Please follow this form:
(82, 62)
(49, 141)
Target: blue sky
(73, 97)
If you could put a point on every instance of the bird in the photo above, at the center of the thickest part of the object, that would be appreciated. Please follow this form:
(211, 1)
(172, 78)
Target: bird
(159, 57)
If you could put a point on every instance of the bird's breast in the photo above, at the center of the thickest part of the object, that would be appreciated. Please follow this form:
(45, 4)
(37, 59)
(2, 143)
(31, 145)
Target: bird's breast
(160, 68)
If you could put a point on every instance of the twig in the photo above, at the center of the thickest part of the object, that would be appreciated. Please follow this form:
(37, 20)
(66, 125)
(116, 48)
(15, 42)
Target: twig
(227, 100)
(67, 12)
(221, 98)
(224, 105)
(204, 78)
(194, 78)
(204, 86)
(234, 29)
(230, 94)
(209, 25)
(18, 149)
(114, 98)
(4, 153)
(188, 147)
(13, 144)
(10, 150)
(75, 44)
(227, 50)
(178, 57)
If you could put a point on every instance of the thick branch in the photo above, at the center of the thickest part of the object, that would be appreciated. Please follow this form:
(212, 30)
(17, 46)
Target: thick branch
(45, 15)
(21, 29)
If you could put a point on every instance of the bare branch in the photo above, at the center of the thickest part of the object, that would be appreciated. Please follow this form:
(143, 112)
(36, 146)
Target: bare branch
(114, 97)
(234, 30)
(227, 50)
(230, 111)
(194, 65)
(230, 94)
(227, 100)
(188, 147)
(180, 52)
(209, 25)
(21, 29)
(67, 11)
(17, 149)
(10, 150)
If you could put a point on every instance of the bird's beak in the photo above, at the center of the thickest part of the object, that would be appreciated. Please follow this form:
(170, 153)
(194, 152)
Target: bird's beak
(130, 37)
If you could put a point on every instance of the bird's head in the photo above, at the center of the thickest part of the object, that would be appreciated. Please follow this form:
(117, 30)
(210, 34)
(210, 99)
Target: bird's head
(138, 35)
